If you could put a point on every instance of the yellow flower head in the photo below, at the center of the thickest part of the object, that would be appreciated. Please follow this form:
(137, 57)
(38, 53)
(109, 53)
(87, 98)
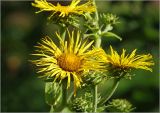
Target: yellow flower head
(69, 61)
(129, 61)
(64, 11)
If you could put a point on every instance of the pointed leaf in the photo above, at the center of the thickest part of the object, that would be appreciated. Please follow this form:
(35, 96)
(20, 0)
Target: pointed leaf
(110, 34)
(53, 93)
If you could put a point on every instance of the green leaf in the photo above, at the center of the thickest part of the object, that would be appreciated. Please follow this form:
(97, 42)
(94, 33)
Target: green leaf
(110, 34)
(101, 109)
(66, 110)
(53, 93)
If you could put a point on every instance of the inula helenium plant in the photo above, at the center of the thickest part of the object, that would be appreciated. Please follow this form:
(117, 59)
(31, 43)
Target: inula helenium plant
(73, 67)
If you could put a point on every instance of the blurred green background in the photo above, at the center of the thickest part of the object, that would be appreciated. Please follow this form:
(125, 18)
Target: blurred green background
(22, 91)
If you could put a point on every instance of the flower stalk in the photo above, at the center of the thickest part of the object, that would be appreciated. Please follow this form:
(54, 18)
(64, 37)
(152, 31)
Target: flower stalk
(51, 109)
(95, 98)
(115, 85)
(97, 44)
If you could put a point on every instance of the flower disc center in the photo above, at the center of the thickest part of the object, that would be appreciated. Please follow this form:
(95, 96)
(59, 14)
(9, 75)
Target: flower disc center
(69, 62)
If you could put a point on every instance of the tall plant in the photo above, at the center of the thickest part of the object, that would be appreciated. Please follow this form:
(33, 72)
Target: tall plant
(74, 68)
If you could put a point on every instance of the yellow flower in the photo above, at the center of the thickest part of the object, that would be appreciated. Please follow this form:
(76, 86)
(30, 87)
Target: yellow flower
(129, 61)
(64, 11)
(69, 61)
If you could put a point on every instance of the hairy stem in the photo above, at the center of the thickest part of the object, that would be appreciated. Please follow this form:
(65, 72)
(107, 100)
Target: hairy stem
(69, 97)
(96, 12)
(115, 85)
(97, 44)
(52, 109)
(95, 99)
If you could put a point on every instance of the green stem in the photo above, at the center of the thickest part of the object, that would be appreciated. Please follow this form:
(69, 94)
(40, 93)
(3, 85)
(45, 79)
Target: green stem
(96, 12)
(52, 109)
(97, 34)
(70, 96)
(98, 42)
(95, 99)
(115, 85)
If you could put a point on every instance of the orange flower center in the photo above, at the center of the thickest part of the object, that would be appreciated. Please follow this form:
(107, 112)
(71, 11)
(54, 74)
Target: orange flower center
(69, 62)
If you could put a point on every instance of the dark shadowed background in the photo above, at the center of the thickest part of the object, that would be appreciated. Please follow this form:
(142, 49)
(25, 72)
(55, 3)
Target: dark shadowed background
(22, 91)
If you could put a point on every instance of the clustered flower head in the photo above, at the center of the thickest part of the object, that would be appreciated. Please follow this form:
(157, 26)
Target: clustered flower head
(70, 60)
(63, 11)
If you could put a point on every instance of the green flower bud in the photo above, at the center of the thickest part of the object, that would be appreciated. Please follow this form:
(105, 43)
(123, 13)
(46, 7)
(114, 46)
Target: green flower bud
(114, 72)
(93, 78)
(110, 18)
(82, 103)
(119, 105)
(64, 22)
(79, 105)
